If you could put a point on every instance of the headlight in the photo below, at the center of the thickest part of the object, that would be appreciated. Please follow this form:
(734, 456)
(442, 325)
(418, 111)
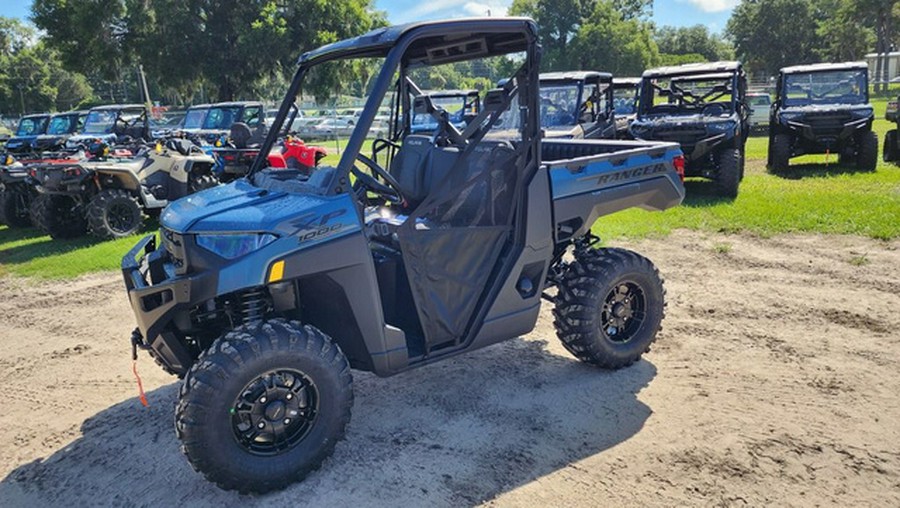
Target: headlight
(790, 117)
(236, 245)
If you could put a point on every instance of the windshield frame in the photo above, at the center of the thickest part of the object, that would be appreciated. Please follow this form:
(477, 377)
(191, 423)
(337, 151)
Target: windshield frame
(109, 126)
(68, 127)
(42, 124)
(788, 102)
(649, 91)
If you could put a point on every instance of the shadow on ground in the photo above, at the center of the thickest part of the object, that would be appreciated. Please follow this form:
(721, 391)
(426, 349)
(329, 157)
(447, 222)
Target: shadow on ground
(702, 193)
(817, 170)
(451, 434)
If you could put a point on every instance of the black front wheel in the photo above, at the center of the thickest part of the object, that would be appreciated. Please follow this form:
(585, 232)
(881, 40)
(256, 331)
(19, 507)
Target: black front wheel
(730, 166)
(780, 153)
(15, 204)
(609, 307)
(114, 213)
(264, 406)
(891, 152)
(867, 153)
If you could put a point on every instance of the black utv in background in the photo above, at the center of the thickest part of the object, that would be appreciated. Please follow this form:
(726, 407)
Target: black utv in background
(704, 108)
(823, 108)
(891, 142)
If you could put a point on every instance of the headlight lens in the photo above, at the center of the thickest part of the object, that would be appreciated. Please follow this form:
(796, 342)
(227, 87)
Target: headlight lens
(236, 245)
(790, 117)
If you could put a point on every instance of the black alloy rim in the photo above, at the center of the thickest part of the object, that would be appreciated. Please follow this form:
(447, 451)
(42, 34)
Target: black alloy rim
(275, 412)
(623, 312)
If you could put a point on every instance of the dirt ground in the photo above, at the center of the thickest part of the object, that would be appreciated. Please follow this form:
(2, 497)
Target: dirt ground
(774, 381)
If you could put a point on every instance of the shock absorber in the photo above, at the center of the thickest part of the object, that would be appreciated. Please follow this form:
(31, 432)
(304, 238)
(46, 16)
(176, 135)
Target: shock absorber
(252, 306)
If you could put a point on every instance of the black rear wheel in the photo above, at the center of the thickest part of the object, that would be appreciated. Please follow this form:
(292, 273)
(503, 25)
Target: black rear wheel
(609, 307)
(59, 216)
(114, 213)
(264, 406)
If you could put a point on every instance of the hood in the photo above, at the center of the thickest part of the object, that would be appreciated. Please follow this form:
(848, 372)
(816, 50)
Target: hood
(857, 110)
(19, 142)
(242, 207)
(80, 138)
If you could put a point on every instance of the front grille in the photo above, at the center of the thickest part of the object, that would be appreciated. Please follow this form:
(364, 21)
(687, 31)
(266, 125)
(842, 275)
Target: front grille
(827, 123)
(685, 134)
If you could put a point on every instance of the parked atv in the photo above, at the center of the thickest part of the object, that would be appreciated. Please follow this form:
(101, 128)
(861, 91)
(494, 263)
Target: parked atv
(113, 125)
(461, 105)
(16, 191)
(823, 108)
(891, 152)
(27, 132)
(625, 100)
(704, 108)
(265, 292)
(107, 196)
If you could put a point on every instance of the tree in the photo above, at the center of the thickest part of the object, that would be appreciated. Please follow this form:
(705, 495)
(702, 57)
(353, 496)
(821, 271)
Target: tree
(634, 9)
(770, 34)
(229, 44)
(31, 74)
(843, 34)
(693, 40)
(559, 21)
(605, 41)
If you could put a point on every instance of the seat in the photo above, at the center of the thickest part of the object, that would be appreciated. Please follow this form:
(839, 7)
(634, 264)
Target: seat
(420, 165)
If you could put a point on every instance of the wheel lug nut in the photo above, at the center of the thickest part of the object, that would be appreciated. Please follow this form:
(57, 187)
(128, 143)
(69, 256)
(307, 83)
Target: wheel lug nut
(289, 396)
(261, 425)
(263, 399)
(287, 421)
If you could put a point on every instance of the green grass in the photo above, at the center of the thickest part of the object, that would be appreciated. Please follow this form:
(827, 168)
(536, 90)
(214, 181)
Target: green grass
(26, 252)
(812, 197)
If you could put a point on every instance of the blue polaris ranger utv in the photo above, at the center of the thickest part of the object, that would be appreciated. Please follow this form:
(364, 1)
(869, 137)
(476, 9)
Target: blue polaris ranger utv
(266, 292)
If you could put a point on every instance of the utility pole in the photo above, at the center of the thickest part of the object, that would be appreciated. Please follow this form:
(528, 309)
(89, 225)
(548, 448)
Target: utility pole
(22, 97)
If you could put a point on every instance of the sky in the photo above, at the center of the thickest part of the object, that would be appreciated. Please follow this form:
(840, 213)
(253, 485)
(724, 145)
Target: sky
(712, 13)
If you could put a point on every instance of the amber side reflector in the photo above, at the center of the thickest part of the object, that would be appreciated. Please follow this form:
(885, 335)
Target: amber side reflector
(276, 273)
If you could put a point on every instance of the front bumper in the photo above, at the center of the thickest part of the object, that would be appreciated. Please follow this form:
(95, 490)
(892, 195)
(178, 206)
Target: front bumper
(157, 297)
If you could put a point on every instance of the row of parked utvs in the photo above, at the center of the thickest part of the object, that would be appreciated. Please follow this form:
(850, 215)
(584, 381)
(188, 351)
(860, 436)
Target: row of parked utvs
(106, 174)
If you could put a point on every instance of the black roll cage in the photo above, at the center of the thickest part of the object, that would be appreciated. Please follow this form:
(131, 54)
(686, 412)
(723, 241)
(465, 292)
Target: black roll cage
(455, 40)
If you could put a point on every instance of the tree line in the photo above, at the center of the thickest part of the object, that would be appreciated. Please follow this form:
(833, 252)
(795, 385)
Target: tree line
(213, 50)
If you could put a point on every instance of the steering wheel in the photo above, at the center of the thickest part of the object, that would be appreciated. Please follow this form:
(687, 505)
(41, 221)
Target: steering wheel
(368, 183)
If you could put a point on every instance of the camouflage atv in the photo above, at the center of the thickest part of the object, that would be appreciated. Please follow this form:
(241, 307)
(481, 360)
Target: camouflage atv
(108, 196)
